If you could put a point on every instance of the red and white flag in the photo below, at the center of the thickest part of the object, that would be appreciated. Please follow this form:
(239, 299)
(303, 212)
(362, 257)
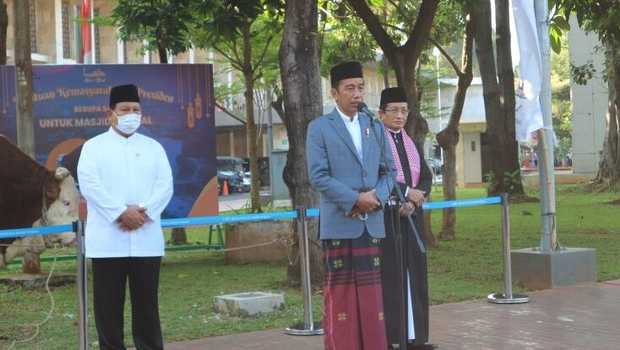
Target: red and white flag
(85, 32)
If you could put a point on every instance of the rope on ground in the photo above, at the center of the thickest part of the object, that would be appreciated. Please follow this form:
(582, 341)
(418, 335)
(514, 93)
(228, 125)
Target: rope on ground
(37, 326)
(283, 241)
(34, 246)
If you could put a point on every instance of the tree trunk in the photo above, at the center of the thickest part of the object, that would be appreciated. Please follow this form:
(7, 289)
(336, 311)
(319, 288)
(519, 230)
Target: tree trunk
(25, 120)
(405, 69)
(301, 83)
(448, 223)
(481, 15)
(403, 58)
(449, 137)
(509, 147)
(163, 53)
(4, 23)
(609, 166)
(250, 125)
(178, 236)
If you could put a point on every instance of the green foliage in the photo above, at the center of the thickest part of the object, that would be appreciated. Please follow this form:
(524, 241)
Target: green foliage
(343, 38)
(448, 28)
(511, 181)
(163, 24)
(224, 20)
(601, 17)
(560, 100)
(222, 24)
(581, 74)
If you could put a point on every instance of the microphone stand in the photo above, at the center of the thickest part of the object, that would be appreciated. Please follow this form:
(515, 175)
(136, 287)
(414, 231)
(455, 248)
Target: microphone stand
(393, 210)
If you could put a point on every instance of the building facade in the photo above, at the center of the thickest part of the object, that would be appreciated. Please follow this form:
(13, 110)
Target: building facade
(589, 102)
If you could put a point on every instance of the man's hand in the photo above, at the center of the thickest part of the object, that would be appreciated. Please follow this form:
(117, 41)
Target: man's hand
(354, 213)
(132, 218)
(416, 197)
(367, 201)
(406, 209)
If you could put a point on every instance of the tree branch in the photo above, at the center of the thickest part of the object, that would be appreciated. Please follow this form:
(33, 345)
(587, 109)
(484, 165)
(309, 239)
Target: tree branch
(278, 106)
(262, 55)
(374, 25)
(446, 55)
(235, 50)
(395, 27)
(465, 77)
(468, 46)
(422, 28)
(231, 114)
(230, 59)
(394, 4)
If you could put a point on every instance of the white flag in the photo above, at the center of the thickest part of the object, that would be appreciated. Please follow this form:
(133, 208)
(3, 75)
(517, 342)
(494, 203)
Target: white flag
(529, 116)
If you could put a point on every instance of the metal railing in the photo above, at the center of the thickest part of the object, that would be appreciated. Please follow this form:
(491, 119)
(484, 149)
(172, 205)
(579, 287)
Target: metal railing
(302, 215)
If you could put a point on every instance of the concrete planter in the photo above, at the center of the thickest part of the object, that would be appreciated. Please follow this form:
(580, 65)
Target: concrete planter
(249, 304)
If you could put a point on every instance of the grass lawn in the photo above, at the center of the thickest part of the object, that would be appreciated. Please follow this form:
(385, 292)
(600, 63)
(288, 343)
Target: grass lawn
(469, 267)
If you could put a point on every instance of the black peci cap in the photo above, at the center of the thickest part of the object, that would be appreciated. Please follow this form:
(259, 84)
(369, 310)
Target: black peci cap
(393, 94)
(124, 93)
(345, 70)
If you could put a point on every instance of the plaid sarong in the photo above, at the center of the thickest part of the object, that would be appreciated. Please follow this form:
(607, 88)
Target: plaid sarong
(353, 312)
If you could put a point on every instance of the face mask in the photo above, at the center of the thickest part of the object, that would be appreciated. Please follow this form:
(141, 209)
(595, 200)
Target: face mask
(129, 123)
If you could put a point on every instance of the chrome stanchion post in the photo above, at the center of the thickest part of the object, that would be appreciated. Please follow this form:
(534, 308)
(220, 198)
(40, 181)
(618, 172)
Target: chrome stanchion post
(305, 271)
(309, 327)
(507, 297)
(82, 279)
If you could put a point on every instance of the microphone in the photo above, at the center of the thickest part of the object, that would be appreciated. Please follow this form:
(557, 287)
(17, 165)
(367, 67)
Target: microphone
(362, 108)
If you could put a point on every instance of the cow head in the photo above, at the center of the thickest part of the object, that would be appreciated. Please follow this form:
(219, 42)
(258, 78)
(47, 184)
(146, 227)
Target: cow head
(63, 200)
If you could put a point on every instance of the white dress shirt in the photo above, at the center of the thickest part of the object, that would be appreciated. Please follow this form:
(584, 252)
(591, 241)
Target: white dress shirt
(354, 128)
(115, 172)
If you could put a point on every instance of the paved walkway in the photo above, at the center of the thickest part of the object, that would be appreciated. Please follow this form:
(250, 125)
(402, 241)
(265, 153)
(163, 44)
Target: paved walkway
(585, 317)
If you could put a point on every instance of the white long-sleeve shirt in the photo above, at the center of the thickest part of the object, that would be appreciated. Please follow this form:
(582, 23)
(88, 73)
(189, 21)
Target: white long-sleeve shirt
(355, 130)
(113, 173)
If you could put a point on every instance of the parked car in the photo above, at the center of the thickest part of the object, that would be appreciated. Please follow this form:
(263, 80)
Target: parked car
(231, 169)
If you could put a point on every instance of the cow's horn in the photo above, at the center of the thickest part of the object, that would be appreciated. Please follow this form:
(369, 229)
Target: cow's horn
(61, 173)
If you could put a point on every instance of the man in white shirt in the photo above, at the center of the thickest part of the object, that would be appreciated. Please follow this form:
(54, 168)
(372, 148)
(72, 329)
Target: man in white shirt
(127, 182)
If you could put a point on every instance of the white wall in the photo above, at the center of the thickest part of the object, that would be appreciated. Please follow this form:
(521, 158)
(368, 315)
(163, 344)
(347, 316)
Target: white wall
(468, 159)
(589, 102)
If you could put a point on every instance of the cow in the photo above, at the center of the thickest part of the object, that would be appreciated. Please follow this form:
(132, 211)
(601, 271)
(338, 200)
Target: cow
(32, 195)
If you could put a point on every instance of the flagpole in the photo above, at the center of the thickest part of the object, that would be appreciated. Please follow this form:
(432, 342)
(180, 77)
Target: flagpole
(545, 147)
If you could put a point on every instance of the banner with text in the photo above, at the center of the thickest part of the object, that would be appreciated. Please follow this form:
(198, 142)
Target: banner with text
(71, 106)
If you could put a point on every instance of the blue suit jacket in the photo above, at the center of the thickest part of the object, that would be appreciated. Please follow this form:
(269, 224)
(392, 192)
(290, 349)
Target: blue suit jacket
(339, 175)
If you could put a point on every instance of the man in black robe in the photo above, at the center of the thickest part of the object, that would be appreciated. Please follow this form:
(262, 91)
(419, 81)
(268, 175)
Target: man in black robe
(414, 179)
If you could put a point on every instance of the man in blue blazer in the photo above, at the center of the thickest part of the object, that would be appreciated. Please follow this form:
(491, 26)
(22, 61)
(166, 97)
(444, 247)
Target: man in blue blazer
(349, 162)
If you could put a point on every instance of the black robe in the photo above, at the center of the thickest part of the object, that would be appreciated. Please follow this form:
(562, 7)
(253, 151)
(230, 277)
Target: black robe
(415, 262)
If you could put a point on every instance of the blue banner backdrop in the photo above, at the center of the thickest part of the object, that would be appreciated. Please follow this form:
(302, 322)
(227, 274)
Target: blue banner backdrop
(71, 106)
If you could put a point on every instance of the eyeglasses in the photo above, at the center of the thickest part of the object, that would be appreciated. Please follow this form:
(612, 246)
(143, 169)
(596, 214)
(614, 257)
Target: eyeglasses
(395, 111)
